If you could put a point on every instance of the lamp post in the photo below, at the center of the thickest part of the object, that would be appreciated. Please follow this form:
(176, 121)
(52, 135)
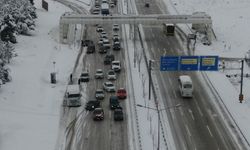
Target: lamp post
(241, 82)
(158, 116)
(150, 78)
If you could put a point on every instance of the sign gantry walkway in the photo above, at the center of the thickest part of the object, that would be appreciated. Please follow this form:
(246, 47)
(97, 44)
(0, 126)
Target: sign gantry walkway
(156, 19)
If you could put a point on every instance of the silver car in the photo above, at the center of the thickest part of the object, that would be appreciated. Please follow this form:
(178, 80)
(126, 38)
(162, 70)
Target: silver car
(99, 94)
(111, 75)
(109, 86)
(99, 74)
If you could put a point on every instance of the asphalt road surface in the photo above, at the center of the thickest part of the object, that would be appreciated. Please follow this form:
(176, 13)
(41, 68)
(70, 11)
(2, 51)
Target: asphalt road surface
(195, 124)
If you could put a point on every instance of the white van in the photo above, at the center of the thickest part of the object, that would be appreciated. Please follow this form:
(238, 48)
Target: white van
(73, 95)
(185, 86)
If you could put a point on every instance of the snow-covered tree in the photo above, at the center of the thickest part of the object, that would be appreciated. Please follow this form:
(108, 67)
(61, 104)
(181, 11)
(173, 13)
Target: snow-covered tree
(18, 18)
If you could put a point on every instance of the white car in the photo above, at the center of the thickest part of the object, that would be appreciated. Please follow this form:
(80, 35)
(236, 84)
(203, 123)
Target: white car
(116, 66)
(100, 42)
(112, 4)
(111, 75)
(99, 74)
(106, 43)
(109, 86)
(104, 34)
(116, 27)
(99, 29)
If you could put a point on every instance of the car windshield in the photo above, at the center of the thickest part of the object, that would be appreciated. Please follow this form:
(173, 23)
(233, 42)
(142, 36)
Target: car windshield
(188, 86)
(121, 91)
(84, 74)
(111, 73)
(99, 92)
(116, 63)
(99, 71)
(110, 85)
(98, 111)
(73, 95)
(118, 111)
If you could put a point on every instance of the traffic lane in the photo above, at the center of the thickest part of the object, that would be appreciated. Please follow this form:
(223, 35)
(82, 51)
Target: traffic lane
(96, 60)
(213, 119)
(194, 110)
(171, 51)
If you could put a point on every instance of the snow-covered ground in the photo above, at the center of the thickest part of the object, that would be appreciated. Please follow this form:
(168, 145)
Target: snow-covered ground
(29, 110)
(30, 104)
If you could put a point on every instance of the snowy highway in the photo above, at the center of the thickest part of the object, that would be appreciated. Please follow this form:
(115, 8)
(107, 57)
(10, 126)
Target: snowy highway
(195, 124)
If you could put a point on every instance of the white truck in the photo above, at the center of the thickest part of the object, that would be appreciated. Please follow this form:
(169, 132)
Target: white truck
(73, 96)
(105, 8)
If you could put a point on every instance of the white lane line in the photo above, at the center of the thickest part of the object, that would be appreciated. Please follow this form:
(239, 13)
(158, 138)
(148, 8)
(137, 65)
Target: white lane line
(209, 131)
(172, 114)
(175, 95)
(159, 50)
(181, 112)
(188, 131)
(198, 108)
(191, 113)
(165, 52)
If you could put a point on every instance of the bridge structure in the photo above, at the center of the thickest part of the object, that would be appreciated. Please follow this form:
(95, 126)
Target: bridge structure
(68, 20)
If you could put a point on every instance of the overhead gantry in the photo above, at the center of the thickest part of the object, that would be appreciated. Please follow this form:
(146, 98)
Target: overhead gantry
(68, 20)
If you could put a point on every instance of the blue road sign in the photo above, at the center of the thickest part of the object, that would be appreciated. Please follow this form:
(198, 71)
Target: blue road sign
(209, 63)
(169, 63)
(189, 63)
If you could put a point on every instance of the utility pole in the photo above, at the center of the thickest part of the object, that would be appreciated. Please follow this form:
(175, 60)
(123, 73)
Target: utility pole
(150, 79)
(241, 82)
(158, 113)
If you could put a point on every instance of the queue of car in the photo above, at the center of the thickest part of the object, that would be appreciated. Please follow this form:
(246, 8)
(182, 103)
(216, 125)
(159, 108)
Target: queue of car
(104, 46)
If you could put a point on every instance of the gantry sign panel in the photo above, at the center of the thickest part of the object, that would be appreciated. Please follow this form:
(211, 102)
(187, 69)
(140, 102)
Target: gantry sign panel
(189, 63)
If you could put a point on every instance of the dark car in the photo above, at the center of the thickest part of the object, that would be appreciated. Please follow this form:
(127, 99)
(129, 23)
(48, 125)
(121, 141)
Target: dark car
(84, 77)
(92, 104)
(116, 46)
(103, 49)
(91, 48)
(113, 102)
(118, 114)
(108, 59)
(98, 114)
(87, 42)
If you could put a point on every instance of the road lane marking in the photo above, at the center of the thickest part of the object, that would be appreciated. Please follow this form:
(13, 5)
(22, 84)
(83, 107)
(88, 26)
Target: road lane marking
(188, 131)
(172, 114)
(209, 131)
(181, 112)
(175, 96)
(198, 108)
(165, 51)
(191, 113)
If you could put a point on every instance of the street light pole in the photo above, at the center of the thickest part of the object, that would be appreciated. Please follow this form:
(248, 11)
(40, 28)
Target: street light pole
(150, 79)
(158, 112)
(241, 82)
